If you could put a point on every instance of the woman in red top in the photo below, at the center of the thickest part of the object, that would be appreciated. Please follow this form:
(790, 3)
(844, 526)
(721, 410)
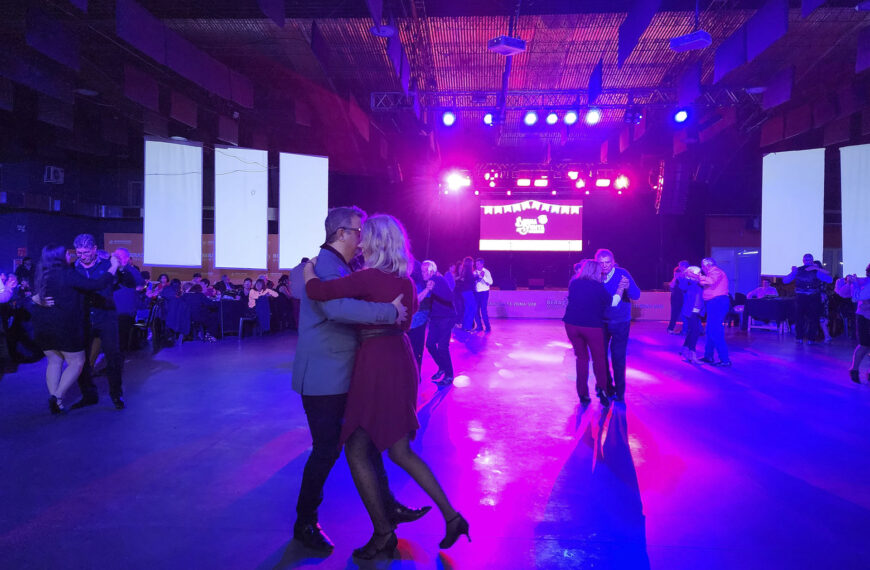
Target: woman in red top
(381, 403)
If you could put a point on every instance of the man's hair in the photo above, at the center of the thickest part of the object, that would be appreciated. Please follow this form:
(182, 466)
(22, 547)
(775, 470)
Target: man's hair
(479, 260)
(604, 253)
(248, 279)
(196, 288)
(84, 240)
(709, 260)
(195, 275)
(430, 264)
(341, 217)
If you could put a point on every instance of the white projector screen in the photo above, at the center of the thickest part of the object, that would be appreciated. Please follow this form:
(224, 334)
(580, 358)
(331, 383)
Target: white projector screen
(855, 193)
(303, 203)
(792, 209)
(172, 224)
(241, 178)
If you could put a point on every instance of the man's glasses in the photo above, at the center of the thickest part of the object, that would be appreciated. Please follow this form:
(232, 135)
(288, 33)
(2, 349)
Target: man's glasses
(357, 230)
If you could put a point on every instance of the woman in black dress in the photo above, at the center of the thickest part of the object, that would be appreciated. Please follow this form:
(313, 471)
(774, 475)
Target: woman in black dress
(60, 328)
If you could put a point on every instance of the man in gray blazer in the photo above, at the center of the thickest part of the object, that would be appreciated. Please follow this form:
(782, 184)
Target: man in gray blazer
(322, 370)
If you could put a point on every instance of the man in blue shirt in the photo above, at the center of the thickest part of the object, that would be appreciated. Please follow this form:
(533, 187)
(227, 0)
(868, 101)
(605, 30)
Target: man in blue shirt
(322, 371)
(617, 318)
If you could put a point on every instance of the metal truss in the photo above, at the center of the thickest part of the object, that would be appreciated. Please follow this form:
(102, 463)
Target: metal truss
(392, 101)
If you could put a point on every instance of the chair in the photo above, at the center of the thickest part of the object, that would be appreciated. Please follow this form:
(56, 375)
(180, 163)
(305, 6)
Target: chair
(139, 330)
(243, 320)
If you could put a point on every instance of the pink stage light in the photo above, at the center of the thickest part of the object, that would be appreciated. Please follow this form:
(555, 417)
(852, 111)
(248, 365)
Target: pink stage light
(508, 192)
(524, 182)
(553, 192)
(456, 181)
(602, 182)
(580, 183)
(542, 183)
(621, 182)
(573, 174)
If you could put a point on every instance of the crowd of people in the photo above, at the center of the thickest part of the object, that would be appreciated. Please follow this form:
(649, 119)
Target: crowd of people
(699, 292)
(78, 308)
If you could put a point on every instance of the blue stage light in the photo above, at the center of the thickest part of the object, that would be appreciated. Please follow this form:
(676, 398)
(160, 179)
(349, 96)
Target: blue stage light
(531, 118)
(487, 119)
(593, 116)
(448, 118)
(681, 116)
(570, 117)
(552, 118)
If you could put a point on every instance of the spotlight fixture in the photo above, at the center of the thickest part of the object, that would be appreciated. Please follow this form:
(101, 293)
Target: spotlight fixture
(580, 184)
(508, 192)
(524, 182)
(681, 115)
(553, 192)
(542, 183)
(621, 182)
(573, 174)
(477, 192)
(633, 115)
(530, 118)
(448, 118)
(593, 116)
(456, 181)
(487, 119)
(570, 117)
(587, 192)
(552, 118)
(602, 182)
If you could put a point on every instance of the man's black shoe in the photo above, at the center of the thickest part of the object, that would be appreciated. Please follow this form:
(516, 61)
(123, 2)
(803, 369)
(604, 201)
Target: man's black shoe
(402, 514)
(119, 402)
(312, 536)
(84, 402)
(706, 360)
(438, 374)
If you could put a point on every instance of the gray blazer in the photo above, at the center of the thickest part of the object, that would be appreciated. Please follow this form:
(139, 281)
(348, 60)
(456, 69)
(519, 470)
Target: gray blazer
(327, 340)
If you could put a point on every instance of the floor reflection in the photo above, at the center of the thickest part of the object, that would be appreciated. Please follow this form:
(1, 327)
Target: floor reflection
(594, 516)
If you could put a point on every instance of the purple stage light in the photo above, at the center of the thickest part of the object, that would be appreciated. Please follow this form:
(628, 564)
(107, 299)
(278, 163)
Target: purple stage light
(531, 118)
(487, 119)
(621, 182)
(571, 117)
(552, 118)
(448, 118)
(681, 116)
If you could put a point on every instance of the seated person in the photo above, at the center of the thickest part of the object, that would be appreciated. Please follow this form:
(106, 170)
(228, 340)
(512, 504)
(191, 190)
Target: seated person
(203, 311)
(766, 290)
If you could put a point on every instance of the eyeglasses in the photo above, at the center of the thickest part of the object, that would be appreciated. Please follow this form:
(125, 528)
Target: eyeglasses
(357, 230)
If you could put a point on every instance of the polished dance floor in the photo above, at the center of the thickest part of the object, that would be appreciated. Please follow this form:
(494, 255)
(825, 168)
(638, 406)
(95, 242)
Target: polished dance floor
(764, 465)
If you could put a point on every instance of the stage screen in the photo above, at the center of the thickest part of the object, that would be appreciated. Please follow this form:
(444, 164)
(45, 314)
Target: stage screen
(241, 178)
(531, 225)
(854, 174)
(303, 203)
(792, 208)
(172, 216)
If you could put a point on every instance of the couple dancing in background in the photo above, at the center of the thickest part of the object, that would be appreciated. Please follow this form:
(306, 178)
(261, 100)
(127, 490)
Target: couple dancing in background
(368, 402)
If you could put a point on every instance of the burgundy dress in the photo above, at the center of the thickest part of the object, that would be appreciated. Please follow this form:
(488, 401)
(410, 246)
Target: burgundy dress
(383, 389)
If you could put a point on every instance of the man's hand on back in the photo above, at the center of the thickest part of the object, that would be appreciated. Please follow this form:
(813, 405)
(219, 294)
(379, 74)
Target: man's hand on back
(401, 310)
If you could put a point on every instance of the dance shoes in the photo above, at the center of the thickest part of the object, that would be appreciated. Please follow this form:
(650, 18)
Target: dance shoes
(312, 536)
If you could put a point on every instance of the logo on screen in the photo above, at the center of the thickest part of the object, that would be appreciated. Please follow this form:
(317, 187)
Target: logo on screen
(527, 226)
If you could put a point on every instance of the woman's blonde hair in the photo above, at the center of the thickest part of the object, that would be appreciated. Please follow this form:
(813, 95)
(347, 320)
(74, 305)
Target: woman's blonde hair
(385, 245)
(589, 269)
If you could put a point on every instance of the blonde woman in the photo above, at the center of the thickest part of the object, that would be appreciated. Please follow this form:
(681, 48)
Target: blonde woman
(381, 403)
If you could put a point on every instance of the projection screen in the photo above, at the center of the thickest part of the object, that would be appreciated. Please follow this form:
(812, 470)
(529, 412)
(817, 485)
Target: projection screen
(172, 224)
(303, 203)
(241, 178)
(792, 208)
(855, 194)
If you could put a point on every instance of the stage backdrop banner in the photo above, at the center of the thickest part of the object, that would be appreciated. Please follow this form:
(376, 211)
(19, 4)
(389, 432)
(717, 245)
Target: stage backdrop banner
(133, 242)
(302, 207)
(241, 177)
(547, 304)
(531, 225)
(854, 177)
(792, 208)
(172, 216)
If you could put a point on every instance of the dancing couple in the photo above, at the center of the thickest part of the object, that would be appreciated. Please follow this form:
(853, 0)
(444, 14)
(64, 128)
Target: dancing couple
(366, 403)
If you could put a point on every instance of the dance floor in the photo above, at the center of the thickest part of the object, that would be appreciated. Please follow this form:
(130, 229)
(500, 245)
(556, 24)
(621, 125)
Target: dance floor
(763, 465)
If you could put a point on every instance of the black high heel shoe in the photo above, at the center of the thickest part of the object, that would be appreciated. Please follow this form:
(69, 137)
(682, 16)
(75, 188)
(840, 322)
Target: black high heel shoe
(456, 527)
(378, 544)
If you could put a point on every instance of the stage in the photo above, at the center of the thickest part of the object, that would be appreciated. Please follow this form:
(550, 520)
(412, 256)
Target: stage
(764, 465)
